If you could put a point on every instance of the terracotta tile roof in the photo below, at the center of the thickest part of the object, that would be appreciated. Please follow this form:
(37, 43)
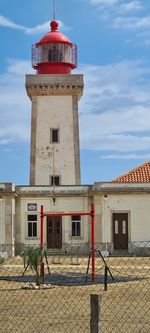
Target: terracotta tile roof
(140, 174)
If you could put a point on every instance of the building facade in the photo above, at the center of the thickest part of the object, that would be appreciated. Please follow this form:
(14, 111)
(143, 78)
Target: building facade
(122, 213)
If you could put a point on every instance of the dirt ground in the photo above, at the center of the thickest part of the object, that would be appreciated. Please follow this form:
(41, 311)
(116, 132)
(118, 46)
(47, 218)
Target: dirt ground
(125, 306)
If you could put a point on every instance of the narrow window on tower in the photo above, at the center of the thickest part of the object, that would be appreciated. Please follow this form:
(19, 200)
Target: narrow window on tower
(54, 135)
(55, 180)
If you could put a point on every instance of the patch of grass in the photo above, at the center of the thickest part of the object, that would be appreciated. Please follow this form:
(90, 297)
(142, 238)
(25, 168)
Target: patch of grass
(125, 307)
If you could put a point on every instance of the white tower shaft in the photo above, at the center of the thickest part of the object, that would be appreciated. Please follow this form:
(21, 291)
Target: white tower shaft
(54, 155)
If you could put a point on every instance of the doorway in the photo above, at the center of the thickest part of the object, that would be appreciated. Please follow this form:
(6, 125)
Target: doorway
(120, 231)
(54, 232)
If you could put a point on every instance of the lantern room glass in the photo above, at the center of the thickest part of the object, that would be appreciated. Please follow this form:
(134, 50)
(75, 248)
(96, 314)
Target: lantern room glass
(54, 53)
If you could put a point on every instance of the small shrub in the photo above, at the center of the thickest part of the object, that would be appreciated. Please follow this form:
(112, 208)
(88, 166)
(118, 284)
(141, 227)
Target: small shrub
(32, 258)
(2, 260)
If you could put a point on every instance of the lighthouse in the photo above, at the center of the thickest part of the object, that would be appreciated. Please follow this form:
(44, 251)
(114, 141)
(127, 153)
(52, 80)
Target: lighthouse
(54, 93)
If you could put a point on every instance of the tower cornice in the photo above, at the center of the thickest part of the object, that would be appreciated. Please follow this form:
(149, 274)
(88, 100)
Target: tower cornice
(48, 85)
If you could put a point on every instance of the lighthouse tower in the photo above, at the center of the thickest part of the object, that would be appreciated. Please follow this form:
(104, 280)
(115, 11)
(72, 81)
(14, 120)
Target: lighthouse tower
(54, 93)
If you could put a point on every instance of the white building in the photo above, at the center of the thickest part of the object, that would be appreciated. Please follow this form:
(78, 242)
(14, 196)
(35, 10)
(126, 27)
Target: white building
(122, 207)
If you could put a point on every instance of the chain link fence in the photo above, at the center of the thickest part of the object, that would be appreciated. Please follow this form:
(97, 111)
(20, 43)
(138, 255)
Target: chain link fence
(62, 304)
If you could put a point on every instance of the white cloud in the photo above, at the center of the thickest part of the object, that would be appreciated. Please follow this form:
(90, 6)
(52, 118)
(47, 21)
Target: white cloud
(4, 141)
(115, 85)
(122, 131)
(114, 110)
(127, 156)
(14, 104)
(128, 15)
(124, 6)
(5, 22)
(40, 28)
(132, 23)
(131, 6)
(104, 2)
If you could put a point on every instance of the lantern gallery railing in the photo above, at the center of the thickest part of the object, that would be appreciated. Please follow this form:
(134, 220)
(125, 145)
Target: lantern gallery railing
(54, 52)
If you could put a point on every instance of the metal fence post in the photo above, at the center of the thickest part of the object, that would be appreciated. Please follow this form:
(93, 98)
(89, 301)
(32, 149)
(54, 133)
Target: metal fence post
(105, 278)
(95, 321)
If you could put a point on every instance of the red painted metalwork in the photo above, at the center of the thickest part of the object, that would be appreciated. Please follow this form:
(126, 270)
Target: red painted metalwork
(67, 214)
(42, 227)
(54, 36)
(54, 53)
(91, 214)
(93, 240)
(47, 68)
(41, 244)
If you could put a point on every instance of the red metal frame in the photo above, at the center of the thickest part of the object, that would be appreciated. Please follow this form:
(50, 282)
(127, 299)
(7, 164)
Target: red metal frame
(91, 214)
(42, 227)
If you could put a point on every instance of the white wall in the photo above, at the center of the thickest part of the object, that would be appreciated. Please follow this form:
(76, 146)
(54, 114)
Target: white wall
(63, 204)
(138, 208)
(55, 159)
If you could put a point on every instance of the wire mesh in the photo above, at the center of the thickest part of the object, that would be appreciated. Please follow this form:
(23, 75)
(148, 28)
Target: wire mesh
(62, 304)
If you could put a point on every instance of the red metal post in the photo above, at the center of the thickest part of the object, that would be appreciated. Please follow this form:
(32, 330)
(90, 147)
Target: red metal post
(41, 244)
(42, 225)
(93, 240)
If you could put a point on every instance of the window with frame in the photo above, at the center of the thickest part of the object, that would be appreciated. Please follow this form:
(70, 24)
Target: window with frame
(54, 135)
(55, 180)
(76, 226)
(32, 225)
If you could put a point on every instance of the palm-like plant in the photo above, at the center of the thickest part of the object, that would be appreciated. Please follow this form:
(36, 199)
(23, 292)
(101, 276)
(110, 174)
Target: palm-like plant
(32, 258)
(2, 260)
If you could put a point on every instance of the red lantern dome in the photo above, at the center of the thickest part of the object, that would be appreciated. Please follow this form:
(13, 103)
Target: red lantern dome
(54, 53)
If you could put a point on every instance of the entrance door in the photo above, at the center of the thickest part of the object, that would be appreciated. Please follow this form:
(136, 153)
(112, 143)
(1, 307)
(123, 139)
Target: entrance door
(54, 232)
(120, 231)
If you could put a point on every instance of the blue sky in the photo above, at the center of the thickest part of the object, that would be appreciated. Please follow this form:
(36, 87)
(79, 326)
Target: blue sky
(113, 38)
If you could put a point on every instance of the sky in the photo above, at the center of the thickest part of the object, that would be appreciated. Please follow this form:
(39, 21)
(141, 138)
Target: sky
(113, 38)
